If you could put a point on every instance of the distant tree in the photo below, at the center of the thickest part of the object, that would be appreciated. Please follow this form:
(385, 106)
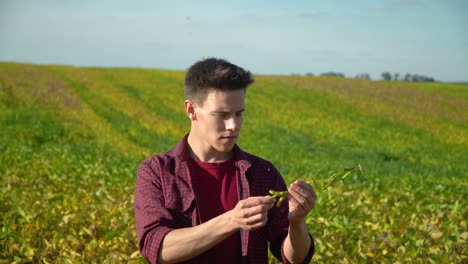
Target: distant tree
(309, 74)
(407, 77)
(386, 76)
(335, 74)
(429, 79)
(421, 78)
(417, 78)
(396, 76)
(364, 76)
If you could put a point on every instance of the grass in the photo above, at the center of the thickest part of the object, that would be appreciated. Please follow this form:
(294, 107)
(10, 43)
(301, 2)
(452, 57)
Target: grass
(71, 140)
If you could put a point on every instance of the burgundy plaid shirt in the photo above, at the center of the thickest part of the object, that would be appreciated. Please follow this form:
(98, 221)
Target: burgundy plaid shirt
(166, 199)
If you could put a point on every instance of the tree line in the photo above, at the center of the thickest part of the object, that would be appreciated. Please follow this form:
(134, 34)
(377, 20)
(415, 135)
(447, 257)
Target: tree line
(387, 76)
(406, 78)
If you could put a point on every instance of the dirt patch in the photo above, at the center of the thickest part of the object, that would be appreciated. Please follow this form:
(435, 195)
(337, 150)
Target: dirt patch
(29, 82)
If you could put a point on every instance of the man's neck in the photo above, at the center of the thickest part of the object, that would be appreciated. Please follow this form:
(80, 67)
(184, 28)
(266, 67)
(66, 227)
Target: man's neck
(200, 150)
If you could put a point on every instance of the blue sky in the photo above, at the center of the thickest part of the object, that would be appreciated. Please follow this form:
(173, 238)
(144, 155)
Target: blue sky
(265, 36)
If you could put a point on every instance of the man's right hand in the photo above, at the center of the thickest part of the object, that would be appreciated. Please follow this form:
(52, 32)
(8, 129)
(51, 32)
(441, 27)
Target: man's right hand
(251, 213)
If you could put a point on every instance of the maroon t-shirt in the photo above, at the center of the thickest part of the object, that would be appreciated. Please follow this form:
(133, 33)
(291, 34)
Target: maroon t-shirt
(218, 194)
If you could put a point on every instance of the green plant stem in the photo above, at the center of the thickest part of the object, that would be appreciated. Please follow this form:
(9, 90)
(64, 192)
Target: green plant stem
(339, 175)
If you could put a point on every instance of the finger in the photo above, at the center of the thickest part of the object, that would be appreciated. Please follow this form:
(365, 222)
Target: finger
(299, 189)
(256, 210)
(267, 199)
(304, 189)
(297, 197)
(256, 218)
(303, 184)
(302, 208)
(254, 222)
(255, 226)
(257, 200)
(307, 202)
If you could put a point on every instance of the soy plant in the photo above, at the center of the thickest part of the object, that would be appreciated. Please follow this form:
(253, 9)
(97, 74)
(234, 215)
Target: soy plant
(337, 176)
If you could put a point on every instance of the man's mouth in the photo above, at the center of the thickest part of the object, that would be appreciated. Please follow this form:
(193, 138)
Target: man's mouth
(229, 137)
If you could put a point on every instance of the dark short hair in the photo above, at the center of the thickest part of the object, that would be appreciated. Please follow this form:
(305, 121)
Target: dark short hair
(211, 74)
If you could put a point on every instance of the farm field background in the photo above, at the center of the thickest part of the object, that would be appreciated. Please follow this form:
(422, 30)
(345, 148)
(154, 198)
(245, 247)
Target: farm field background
(71, 140)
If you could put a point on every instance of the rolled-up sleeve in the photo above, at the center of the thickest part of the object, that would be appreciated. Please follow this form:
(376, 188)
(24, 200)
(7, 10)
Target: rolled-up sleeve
(153, 220)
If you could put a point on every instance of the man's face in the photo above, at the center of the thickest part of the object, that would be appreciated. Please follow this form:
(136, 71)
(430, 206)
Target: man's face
(219, 119)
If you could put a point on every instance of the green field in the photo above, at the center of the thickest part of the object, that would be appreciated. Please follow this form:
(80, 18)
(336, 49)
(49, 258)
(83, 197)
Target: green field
(71, 140)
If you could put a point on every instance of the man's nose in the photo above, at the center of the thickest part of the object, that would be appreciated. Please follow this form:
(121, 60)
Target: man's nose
(231, 124)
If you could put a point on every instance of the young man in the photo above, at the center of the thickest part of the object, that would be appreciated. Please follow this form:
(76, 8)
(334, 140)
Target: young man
(206, 200)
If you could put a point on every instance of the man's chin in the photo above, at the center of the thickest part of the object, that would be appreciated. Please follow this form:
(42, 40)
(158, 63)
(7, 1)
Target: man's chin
(225, 148)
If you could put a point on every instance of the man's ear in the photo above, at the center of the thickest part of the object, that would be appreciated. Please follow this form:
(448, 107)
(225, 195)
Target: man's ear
(190, 110)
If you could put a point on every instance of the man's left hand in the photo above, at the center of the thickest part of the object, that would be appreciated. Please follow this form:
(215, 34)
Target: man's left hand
(301, 200)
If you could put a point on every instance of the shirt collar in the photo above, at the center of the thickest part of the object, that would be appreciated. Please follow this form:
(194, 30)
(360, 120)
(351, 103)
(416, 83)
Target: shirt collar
(180, 150)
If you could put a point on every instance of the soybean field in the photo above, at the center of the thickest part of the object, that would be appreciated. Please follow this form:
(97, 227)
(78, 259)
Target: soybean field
(72, 138)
